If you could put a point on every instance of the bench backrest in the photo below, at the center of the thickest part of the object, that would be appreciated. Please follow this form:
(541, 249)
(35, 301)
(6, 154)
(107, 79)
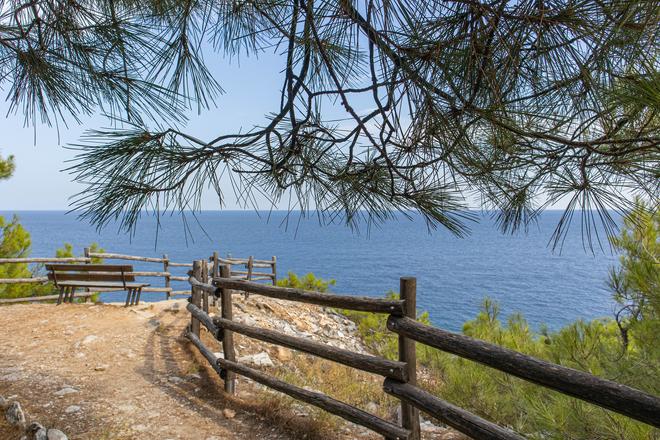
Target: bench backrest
(118, 273)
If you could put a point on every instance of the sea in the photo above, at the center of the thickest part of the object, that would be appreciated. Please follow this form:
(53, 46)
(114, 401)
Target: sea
(521, 272)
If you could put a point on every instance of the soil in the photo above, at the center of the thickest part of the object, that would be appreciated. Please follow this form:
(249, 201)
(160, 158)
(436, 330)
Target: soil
(107, 372)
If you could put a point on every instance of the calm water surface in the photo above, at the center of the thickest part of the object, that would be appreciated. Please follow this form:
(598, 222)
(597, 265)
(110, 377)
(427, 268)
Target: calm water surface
(453, 274)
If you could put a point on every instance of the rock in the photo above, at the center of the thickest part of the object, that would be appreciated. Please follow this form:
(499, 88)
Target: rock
(283, 354)
(247, 320)
(14, 414)
(34, 427)
(143, 314)
(127, 408)
(173, 308)
(11, 377)
(101, 367)
(372, 407)
(175, 379)
(42, 434)
(66, 390)
(72, 409)
(228, 413)
(37, 432)
(89, 339)
(260, 360)
(4, 403)
(56, 434)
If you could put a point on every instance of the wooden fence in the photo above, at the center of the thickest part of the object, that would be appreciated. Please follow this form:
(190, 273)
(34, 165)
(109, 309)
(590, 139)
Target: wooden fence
(400, 375)
(166, 273)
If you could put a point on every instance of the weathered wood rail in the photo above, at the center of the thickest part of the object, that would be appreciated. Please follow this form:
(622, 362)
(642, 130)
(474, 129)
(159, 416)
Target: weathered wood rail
(399, 376)
(167, 273)
(220, 284)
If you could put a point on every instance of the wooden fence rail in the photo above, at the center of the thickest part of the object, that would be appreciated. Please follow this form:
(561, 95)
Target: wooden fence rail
(456, 417)
(250, 263)
(222, 329)
(400, 376)
(166, 272)
(611, 395)
(351, 302)
(45, 260)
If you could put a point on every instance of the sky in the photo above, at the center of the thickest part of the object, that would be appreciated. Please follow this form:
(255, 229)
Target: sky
(39, 183)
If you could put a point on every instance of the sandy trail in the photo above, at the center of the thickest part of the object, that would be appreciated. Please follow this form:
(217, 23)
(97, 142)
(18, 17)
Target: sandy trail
(106, 372)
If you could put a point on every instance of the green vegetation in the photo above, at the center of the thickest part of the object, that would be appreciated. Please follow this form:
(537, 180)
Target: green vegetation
(66, 251)
(15, 242)
(307, 282)
(6, 167)
(623, 349)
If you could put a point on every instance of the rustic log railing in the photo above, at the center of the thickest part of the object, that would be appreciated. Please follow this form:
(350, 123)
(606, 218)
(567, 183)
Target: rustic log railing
(249, 263)
(166, 273)
(620, 398)
(400, 376)
(222, 329)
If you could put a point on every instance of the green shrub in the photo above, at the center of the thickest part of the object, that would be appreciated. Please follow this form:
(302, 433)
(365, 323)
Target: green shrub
(306, 282)
(14, 243)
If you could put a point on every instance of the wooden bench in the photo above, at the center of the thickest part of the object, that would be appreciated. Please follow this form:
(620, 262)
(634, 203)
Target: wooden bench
(69, 277)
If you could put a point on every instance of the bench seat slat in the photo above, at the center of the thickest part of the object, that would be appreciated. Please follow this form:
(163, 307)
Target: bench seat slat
(101, 284)
(89, 267)
(70, 276)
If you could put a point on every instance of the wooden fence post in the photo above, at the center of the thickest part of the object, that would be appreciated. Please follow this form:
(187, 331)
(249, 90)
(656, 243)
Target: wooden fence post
(196, 296)
(408, 354)
(227, 335)
(215, 272)
(86, 254)
(216, 264)
(166, 269)
(274, 268)
(205, 280)
(250, 266)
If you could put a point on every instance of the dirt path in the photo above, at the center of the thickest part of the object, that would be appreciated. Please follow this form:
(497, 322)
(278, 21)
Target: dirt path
(105, 372)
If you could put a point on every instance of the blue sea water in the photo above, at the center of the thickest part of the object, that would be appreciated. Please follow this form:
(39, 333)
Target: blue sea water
(521, 272)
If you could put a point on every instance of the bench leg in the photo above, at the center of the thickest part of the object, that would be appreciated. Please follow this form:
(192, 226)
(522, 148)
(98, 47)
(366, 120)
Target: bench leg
(139, 294)
(71, 292)
(129, 293)
(61, 297)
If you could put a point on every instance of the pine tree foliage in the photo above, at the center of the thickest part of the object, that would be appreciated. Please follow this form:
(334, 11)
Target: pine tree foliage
(15, 242)
(636, 282)
(6, 167)
(517, 104)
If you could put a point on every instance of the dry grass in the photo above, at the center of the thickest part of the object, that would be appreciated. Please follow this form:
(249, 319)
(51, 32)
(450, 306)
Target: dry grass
(349, 385)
